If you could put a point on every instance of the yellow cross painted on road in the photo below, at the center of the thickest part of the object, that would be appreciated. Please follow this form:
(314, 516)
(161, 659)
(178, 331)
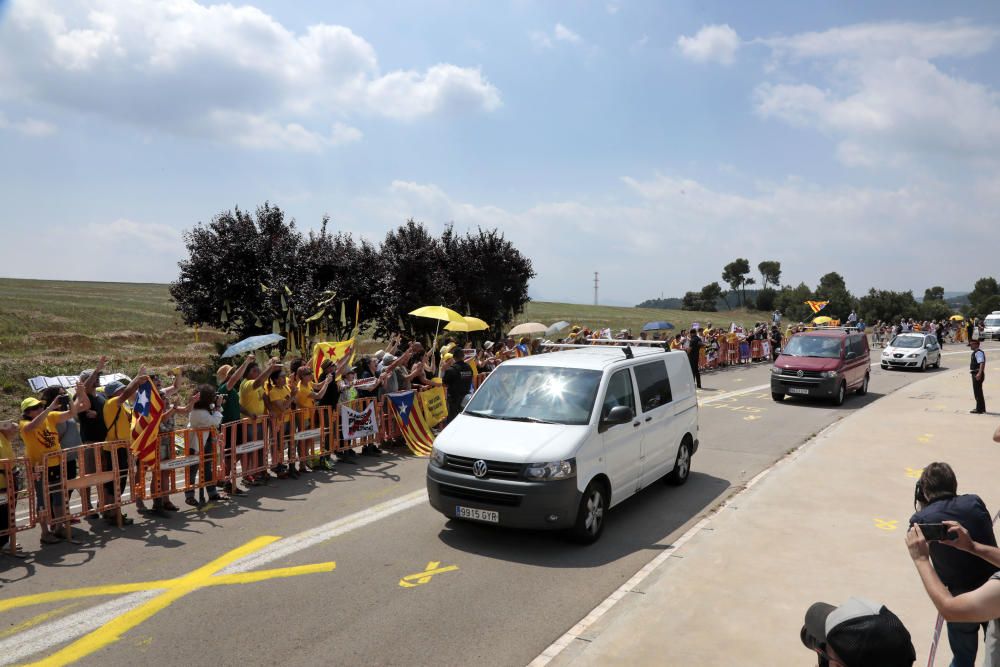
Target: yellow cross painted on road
(421, 578)
(926, 437)
(205, 576)
(914, 472)
(886, 524)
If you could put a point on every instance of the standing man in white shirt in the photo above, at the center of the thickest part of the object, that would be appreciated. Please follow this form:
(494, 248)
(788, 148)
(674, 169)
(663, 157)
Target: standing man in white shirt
(977, 367)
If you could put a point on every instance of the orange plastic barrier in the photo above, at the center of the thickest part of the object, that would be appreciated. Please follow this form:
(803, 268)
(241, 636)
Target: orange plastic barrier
(8, 510)
(756, 349)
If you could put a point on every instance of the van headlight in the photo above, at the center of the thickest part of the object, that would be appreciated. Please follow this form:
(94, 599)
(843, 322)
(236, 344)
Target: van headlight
(829, 374)
(437, 458)
(775, 370)
(539, 472)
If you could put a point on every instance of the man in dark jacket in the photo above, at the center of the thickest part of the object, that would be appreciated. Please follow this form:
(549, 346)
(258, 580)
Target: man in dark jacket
(938, 500)
(457, 381)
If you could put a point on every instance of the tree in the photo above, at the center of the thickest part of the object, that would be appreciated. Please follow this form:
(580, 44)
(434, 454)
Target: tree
(791, 302)
(984, 297)
(766, 298)
(237, 269)
(735, 275)
(832, 288)
(935, 293)
(710, 295)
(488, 274)
(770, 273)
(887, 306)
(691, 301)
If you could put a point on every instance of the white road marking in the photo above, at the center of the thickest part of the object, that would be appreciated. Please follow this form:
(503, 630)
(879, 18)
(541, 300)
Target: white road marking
(15, 649)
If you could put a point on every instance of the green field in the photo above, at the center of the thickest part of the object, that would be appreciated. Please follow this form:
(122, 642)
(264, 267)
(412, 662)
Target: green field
(57, 328)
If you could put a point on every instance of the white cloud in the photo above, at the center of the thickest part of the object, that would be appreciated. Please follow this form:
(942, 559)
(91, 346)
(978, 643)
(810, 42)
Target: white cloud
(560, 33)
(612, 8)
(180, 66)
(713, 43)
(31, 127)
(564, 34)
(883, 98)
(659, 223)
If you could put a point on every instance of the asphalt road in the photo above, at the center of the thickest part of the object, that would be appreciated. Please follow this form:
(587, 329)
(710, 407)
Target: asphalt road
(498, 597)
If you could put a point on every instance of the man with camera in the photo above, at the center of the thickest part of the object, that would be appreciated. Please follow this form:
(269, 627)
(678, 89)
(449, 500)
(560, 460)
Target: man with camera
(858, 633)
(937, 501)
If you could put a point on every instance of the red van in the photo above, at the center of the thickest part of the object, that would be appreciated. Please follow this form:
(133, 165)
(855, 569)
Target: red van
(823, 363)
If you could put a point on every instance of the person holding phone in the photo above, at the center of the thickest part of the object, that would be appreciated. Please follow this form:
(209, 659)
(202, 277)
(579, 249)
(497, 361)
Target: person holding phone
(937, 502)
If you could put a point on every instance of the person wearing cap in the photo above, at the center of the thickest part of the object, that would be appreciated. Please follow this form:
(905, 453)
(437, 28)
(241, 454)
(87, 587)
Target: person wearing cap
(936, 499)
(278, 401)
(977, 367)
(228, 380)
(39, 428)
(858, 633)
(118, 421)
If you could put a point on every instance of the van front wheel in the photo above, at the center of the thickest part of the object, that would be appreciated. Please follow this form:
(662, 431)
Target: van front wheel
(590, 515)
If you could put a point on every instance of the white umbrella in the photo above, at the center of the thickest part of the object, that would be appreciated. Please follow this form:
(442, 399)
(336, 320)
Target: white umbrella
(556, 328)
(528, 329)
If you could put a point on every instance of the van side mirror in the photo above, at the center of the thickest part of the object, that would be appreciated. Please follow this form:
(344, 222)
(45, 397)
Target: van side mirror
(620, 414)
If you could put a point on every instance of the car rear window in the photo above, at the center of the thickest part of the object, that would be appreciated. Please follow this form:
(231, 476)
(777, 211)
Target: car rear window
(654, 385)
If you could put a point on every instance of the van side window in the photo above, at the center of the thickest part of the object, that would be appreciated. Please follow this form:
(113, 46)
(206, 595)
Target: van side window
(619, 393)
(654, 385)
(858, 346)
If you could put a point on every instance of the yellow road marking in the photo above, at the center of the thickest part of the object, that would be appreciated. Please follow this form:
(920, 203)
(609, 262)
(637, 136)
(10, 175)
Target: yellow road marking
(886, 524)
(173, 589)
(914, 472)
(926, 437)
(421, 578)
(750, 418)
(35, 620)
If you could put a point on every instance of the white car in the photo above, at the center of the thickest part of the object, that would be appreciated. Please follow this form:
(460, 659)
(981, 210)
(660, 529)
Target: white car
(912, 350)
(991, 326)
(554, 440)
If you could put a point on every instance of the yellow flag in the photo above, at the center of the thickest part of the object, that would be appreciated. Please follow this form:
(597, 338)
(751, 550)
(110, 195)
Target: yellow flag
(335, 351)
(433, 404)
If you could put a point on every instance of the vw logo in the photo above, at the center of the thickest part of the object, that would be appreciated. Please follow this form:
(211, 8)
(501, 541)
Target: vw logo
(479, 468)
(800, 373)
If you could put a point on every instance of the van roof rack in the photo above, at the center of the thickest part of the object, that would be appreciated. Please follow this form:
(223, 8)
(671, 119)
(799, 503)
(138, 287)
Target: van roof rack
(626, 345)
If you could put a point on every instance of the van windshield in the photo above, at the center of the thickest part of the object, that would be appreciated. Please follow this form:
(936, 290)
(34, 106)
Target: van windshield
(537, 394)
(992, 322)
(813, 346)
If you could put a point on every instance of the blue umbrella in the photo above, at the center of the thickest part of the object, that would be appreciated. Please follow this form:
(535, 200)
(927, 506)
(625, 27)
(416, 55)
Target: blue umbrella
(252, 343)
(657, 326)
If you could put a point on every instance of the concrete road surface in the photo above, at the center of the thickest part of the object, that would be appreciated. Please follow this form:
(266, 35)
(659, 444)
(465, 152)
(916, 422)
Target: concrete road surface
(365, 571)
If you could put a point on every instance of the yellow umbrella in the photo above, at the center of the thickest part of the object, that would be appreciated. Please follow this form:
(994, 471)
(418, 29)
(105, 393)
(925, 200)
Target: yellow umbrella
(470, 324)
(439, 313)
(822, 319)
(957, 318)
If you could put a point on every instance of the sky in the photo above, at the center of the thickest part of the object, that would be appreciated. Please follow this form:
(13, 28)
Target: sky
(652, 142)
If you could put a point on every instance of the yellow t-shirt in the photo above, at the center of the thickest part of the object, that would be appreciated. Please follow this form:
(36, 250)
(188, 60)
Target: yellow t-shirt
(43, 440)
(118, 422)
(303, 397)
(252, 398)
(276, 394)
(6, 454)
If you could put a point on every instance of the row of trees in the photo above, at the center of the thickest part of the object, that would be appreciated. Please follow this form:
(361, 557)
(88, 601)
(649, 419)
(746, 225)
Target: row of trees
(883, 305)
(252, 273)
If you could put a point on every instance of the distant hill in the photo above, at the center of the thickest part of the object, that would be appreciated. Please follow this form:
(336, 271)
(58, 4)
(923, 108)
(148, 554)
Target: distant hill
(674, 303)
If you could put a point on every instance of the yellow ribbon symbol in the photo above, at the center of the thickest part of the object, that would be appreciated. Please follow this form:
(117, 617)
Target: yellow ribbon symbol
(914, 472)
(886, 524)
(421, 578)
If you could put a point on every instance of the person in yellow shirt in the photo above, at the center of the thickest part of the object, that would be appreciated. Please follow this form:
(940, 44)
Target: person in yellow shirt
(118, 421)
(7, 432)
(40, 434)
(278, 401)
(252, 407)
(305, 398)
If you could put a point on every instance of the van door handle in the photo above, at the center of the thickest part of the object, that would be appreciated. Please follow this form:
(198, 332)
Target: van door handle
(649, 419)
(635, 424)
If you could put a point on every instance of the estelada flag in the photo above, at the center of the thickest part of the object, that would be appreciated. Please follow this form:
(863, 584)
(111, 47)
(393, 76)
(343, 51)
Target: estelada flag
(410, 417)
(146, 417)
(817, 305)
(335, 351)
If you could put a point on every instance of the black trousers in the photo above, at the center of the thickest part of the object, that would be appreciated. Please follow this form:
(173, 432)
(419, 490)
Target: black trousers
(977, 391)
(693, 360)
(121, 453)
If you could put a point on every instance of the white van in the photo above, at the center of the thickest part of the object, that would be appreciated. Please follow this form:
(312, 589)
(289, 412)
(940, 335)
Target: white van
(991, 326)
(553, 440)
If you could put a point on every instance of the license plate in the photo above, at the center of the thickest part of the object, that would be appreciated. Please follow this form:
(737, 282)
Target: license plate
(798, 390)
(477, 514)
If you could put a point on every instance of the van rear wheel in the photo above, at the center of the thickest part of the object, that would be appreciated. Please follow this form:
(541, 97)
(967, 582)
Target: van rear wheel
(590, 515)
